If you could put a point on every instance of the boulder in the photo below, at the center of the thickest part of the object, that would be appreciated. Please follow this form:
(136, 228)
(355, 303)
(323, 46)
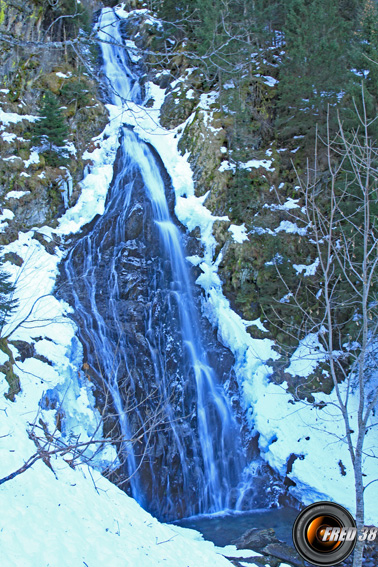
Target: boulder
(284, 552)
(256, 539)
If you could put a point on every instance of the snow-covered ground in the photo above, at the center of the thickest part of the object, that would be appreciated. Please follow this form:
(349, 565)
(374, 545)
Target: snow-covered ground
(59, 516)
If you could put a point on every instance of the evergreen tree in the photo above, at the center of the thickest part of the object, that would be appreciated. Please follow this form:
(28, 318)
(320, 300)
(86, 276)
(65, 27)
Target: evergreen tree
(369, 45)
(7, 303)
(365, 67)
(52, 125)
(314, 71)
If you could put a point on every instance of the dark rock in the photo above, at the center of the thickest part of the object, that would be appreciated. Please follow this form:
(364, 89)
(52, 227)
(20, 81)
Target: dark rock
(13, 258)
(48, 245)
(284, 552)
(26, 350)
(256, 539)
(165, 80)
(176, 108)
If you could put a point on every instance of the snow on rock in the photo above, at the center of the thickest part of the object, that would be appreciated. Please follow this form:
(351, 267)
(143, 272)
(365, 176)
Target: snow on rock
(5, 215)
(208, 99)
(307, 270)
(232, 551)
(288, 205)
(8, 137)
(291, 228)
(12, 118)
(227, 166)
(251, 164)
(286, 297)
(307, 356)
(16, 194)
(63, 75)
(11, 158)
(239, 233)
(270, 81)
(256, 163)
(34, 158)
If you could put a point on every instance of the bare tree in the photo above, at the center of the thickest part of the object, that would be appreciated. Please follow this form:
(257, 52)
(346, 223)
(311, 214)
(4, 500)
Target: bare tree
(341, 202)
(76, 451)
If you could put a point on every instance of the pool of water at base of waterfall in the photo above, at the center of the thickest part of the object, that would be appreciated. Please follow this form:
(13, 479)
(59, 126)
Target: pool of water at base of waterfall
(223, 529)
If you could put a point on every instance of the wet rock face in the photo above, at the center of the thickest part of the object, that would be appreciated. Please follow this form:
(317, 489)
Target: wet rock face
(126, 306)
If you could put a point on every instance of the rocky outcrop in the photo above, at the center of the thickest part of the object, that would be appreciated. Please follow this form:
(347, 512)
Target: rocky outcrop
(32, 191)
(256, 539)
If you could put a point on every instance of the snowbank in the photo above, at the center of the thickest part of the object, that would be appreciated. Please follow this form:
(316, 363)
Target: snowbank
(76, 517)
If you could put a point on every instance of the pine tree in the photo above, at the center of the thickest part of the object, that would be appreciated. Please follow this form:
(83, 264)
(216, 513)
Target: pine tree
(52, 125)
(315, 69)
(366, 66)
(7, 303)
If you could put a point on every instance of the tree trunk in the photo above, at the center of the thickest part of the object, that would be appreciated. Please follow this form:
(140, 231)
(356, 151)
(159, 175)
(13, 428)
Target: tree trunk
(360, 511)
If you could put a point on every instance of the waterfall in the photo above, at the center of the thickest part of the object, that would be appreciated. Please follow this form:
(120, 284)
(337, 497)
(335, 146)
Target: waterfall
(137, 314)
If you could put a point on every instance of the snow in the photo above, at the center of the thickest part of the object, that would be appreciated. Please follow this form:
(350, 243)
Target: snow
(8, 137)
(257, 323)
(291, 228)
(33, 159)
(5, 215)
(190, 94)
(11, 158)
(80, 518)
(239, 233)
(307, 356)
(70, 148)
(229, 85)
(208, 99)
(307, 270)
(251, 164)
(62, 75)
(16, 194)
(12, 118)
(256, 163)
(286, 298)
(133, 51)
(270, 81)
(287, 206)
(232, 551)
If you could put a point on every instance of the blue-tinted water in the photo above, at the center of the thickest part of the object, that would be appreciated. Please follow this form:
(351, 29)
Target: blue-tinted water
(224, 529)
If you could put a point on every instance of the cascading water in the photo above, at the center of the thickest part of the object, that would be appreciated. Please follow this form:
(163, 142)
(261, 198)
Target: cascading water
(133, 301)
